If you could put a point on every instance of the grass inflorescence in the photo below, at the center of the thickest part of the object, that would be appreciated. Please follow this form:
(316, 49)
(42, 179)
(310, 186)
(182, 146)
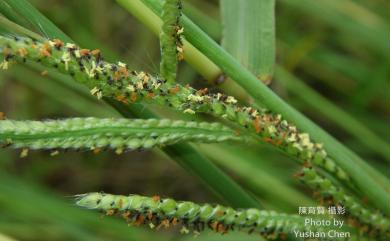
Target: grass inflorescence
(118, 134)
(117, 81)
(160, 212)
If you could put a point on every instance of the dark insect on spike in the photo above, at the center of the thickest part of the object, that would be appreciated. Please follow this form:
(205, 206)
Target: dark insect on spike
(6, 145)
(7, 57)
(223, 97)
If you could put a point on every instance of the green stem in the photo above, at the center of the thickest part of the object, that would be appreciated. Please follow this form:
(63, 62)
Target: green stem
(170, 42)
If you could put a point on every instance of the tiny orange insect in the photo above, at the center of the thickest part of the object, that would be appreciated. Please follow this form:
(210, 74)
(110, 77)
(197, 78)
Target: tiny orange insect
(156, 198)
(121, 98)
(150, 95)
(256, 124)
(110, 212)
(164, 223)
(237, 132)
(150, 215)
(126, 215)
(139, 220)
(174, 221)
(174, 90)
(2, 116)
(124, 71)
(133, 96)
(22, 52)
(95, 52)
(307, 164)
(45, 50)
(202, 91)
(219, 213)
(97, 150)
(269, 140)
(85, 52)
(214, 226)
(117, 75)
(58, 43)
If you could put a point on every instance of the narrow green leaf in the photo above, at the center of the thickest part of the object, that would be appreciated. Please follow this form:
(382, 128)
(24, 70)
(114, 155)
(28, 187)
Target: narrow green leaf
(249, 34)
(48, 29)
(349, 17)
(9, 13)
(15, 28)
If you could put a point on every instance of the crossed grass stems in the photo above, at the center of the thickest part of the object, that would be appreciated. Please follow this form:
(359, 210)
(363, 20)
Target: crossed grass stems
(116, 81)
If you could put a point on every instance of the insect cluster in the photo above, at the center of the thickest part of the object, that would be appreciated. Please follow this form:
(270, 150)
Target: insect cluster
(171, 39)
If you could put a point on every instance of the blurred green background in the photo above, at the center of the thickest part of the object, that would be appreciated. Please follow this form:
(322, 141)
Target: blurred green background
(339, 49)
